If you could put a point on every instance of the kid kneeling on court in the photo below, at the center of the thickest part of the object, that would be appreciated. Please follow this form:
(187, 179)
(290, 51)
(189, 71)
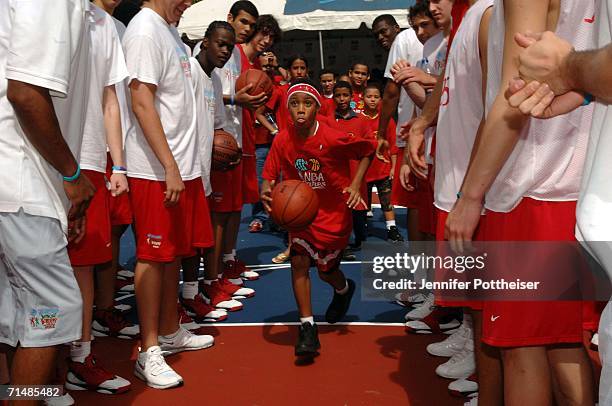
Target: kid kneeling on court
(318, 155)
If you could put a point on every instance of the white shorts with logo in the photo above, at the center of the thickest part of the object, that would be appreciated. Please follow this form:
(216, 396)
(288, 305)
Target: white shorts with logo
(40, 301)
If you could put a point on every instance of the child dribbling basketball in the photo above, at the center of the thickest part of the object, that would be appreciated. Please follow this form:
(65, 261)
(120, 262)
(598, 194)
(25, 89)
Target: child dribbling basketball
(318, 155)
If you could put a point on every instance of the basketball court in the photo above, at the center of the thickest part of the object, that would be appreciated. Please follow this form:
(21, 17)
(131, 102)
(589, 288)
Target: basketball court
(367, 360)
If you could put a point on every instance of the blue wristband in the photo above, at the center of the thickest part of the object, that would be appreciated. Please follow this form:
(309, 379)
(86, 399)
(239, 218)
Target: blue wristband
(231, 99)
(588, 98)
(119, 168)
(459, 194)
(73, 177)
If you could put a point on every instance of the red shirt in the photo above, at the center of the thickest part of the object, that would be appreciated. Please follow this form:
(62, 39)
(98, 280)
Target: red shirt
(328, 107)
(379, 169)
(354, 126)
(262, 135)
(278, 104)
(322, 162)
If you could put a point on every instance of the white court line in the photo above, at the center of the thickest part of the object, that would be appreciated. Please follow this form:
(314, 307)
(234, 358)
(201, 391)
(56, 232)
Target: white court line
(296, 323)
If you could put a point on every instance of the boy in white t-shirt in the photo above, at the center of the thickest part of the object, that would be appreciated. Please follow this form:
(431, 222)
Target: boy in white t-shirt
(215, 50)
(166, 192)
(102, 128)
(43, 89)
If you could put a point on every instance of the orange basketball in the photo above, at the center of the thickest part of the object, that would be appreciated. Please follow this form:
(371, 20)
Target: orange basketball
(294, 205)
(260, 80)
(225, 150)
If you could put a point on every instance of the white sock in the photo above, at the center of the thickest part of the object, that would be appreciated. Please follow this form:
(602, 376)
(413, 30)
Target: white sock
(79, 350)
(343, 290)
(390, 223)
(209, 281)
(229, 257)
(307, 320)
(190, 290)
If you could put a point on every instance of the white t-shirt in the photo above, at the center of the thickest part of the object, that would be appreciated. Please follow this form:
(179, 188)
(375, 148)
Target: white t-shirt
(228, 75)
(461, 108)
(405, 46)
(434, 58)
(594, 213)
(547, 160)
(155, 54)
(44, 43)
(211, 115)
(108, 68)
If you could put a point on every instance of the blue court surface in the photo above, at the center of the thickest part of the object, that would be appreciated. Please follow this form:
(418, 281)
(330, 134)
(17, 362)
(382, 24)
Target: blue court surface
(274, 301)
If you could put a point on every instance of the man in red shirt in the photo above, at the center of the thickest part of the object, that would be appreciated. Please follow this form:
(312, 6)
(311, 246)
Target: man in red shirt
(313, 152)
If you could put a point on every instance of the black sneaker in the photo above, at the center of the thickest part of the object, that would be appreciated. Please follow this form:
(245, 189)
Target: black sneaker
(340, 304)
(394, 235)
(308, 340)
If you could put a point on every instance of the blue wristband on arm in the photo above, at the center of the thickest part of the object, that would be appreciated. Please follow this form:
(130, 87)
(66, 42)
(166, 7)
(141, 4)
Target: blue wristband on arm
(588, 98)
(73, 177)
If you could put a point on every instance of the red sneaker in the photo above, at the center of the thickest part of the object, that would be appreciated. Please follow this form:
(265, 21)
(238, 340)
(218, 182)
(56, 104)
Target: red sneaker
(217, 297)
(202, 311)
(235, 271)
(114, 324)
(234, 290)
(90, 376)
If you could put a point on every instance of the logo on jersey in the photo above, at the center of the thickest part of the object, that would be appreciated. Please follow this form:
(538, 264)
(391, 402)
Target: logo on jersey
(154, 241)
(44, 318)
(445, 93)
(184, 58)
(310, 172)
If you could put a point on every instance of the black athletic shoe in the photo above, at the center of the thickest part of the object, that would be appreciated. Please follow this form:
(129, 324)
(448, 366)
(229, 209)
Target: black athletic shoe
(340, 304)
(394, 235)
(308, 341)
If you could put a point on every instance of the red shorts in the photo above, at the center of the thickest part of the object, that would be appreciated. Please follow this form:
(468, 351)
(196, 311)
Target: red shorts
(95, 247)
(399, 195)
(519, 324)
(441, 217)
(324, 259)
(250, 188)
(226, 190)
(164, 234)
(425, 205)
(120, 209)
(591, 313)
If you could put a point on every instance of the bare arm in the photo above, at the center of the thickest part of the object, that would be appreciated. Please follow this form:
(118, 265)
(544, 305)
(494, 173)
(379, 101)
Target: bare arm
(143, 104)
(259, 115)
(36, 115)
(502, 127)
(114, 138)
(353, 190)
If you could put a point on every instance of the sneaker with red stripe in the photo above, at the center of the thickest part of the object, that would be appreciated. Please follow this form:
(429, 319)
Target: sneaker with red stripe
(217, 297)
(201, 311)
(235, 291)
(236, 270)
(113, 323)
(89, 375)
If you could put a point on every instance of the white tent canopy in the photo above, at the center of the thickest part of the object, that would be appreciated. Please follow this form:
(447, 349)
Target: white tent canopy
(197, 18)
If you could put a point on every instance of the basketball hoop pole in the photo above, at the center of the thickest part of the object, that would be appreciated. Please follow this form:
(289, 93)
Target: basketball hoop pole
(321, 50)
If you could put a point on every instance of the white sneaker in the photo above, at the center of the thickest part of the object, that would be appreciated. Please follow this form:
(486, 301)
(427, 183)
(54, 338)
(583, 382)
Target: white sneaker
(64, 400)
(453, 344)
(184, 340)
(463, 387)
(151, 367)
(369, 214)
(125, 274)
(421, 311)
(460, 365)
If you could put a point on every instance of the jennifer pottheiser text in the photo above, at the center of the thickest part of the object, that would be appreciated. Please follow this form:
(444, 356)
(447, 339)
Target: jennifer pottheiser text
(455, 284)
